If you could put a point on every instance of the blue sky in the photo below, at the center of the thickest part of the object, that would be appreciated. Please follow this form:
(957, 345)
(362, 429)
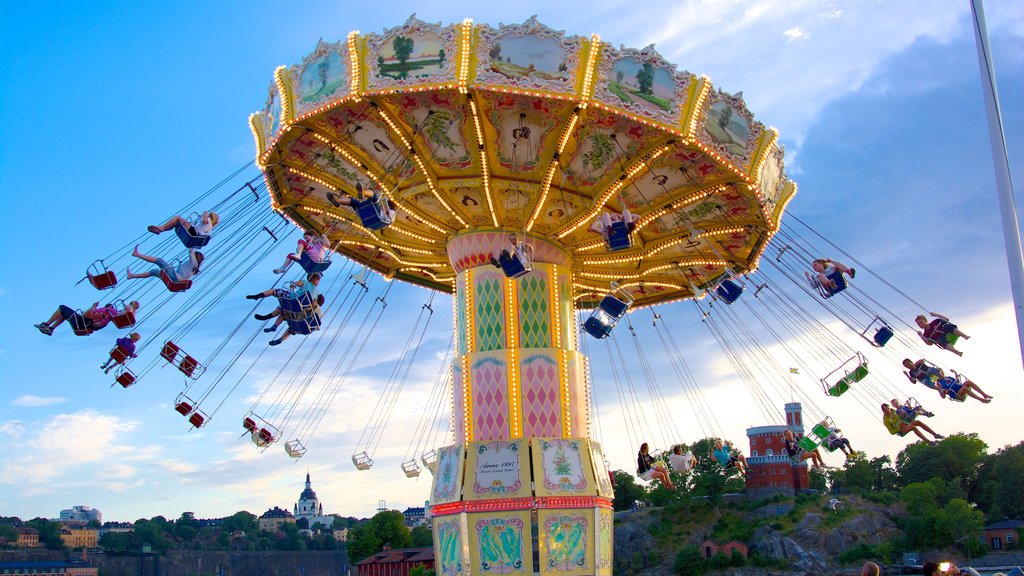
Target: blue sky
(112, 116)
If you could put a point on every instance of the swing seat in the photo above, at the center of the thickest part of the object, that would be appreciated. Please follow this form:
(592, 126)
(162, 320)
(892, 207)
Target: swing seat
(266, 436)
(189, 240)
(837, 278)
(821, 431)
(119, 354)
(249, 424)
(125, 378)
(174, 286)
(608, 313)
(296, 308)
(362, 461)
(839, 388)
(617, 237)
(257, 439)
(411, 468)
(294, 449)
(124, 319)
(170, 351)
(882, 336)
(373, 213)
(807, 443)
(598, 325)
(306, 326)
(513, 265)
(78, 325)
(188, 366)
(100, 277)
(312, 266)
(728, 291)
(197, 419)
(429, 460)
(183, 408)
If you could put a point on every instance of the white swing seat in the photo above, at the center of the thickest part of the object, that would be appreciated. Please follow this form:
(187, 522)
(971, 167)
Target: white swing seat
(411, 468)
(429, 461)
(294, 449)
(362, 461)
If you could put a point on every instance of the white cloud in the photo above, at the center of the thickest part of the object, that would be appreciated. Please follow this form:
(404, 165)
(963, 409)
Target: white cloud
(30, 401)
(795, 34)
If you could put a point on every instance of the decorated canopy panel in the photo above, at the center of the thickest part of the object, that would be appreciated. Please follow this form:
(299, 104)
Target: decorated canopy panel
(527, 130)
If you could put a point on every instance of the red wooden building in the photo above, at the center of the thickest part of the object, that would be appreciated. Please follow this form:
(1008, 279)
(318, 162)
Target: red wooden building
(395, 562)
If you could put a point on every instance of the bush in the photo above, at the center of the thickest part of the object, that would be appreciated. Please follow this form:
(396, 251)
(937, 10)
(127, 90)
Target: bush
(689, 562)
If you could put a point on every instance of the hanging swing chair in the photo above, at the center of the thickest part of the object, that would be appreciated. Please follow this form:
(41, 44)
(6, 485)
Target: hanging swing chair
(362, 461)
(518, 262)
(177, 357)
(611, 309)
(374, 213)
(313, 266)
(294, 449)
(853, 370)
(429, 461)
(125, 317)
(882, 334)
(411, 468)
(185, 234)
(125, 377)
(100, 277)
(836, 285)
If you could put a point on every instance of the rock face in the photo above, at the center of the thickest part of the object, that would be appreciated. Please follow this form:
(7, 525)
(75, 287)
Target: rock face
(772, 544)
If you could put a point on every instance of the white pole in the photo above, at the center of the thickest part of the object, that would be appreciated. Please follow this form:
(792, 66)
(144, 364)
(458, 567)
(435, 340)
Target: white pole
(1004, 188)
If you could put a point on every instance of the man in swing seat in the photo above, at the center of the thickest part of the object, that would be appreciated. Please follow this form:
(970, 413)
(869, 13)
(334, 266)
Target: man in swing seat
(940, 332)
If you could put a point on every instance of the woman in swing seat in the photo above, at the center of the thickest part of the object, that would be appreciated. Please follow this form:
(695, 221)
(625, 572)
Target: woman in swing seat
(900, 427)
(183, 272)
(793, 449)
(723, 453)
(648, 469)
(310, 244)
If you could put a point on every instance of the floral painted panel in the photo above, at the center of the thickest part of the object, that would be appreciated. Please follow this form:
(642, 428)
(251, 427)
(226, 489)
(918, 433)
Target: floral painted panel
(563, 466)
(448, 547)
(449, 475)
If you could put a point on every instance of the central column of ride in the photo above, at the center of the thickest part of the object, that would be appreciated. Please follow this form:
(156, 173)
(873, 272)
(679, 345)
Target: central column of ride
(523, 490)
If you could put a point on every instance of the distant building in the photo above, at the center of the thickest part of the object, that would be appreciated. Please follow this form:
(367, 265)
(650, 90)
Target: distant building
(310, 509)
(396, 562)
(1003, 534)
(210, 522)
(414, 516)
(771, 469)
(27, 537)
(79, 536)
(116, 528)
(73, 568)
(710, 548)
(273, 519)
(80, 515)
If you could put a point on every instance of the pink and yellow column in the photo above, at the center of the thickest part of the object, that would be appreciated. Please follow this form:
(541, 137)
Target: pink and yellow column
(523, 490)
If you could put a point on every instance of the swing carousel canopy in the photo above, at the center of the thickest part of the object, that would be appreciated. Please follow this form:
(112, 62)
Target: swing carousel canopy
(522, 129)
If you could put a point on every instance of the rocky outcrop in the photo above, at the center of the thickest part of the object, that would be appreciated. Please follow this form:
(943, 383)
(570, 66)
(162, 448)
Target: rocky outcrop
(773, 544)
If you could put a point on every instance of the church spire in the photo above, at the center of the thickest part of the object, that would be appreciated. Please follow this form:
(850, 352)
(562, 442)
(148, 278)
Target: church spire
(307, 479)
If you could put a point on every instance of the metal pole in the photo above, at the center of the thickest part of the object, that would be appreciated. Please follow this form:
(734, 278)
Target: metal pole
(1004, 187)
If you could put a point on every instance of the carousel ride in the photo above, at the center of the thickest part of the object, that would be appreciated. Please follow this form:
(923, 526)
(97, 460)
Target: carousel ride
(529, 174)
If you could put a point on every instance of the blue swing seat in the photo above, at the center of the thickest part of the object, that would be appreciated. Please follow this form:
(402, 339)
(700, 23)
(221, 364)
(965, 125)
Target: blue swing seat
(728, 291)
(298, 312)
(189, 240)
(313, 267)
(605, 316)
(373, 212)
(306, 326)
(882, 336)
(618, 237)
(828, 291)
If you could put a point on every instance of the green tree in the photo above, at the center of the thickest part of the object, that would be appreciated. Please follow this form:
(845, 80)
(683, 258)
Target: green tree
(958, 523)
(8, 533)
(49, 533)
(645, 78)
(362, 543)
(186, 527)
(627, 491)
(689, 562)
(859, 474)
(389, 526)
(885, 478)
(241, 522)
(403, 48)
(441, 56)
(422, 537)
(421, 571)
(818, 480)
(154, 532)
(118, 541)
(958, 457)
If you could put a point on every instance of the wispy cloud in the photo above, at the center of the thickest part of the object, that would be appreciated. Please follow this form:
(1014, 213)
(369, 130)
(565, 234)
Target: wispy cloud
(30, 401)
(796, 34)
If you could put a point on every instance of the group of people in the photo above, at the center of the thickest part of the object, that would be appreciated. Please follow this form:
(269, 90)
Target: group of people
(650, 468)
(955, 387)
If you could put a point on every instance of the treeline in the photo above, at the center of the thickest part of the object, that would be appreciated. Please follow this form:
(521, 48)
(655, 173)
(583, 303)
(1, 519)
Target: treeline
(386, 528)
(238, 532)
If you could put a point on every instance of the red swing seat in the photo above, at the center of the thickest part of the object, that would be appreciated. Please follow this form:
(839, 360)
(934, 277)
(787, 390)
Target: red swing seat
(100, 277)
(175, 286)
(124, 319)
(183, 408)
(169, 351)
(197, 419)
(119, 354)
(125, 378)
(266, 436)
(249, 424)
(188, 366)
